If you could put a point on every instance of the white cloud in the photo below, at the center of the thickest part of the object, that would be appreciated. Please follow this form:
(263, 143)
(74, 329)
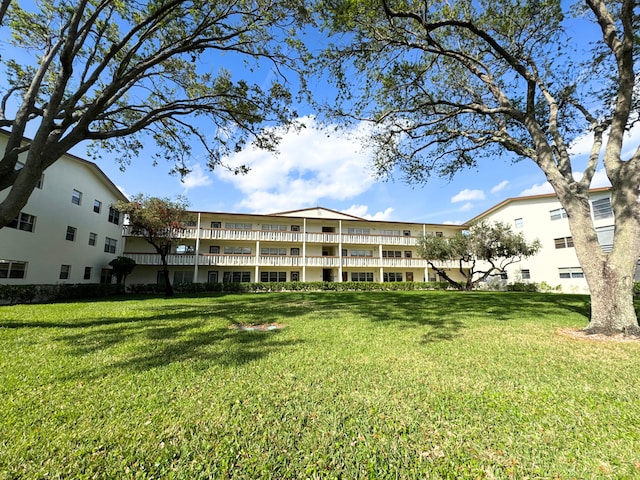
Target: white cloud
(312, 165)
(196, 178)
(466, 207)
(467, 195)
(362, 212)
(599, 179)
(452, 222)
(537, 189)
(499, 187)
(582, 145)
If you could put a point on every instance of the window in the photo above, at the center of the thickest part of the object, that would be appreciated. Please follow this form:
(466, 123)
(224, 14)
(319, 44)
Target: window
(361, 253)
(87, 273)
(406, 233)
(185, 249)
(106, 275)
(295, 228)
(236, 277)
(518, 223)
(573, 272)
(274, 228)
(93, 238)
(20, 166)
(525, 273)
(65, 270)
(273, 251)
(602, 208)
(71, 233)
(238, 226)
(237, 250)
(605, 237)
(214, 249)
(110, 245)
(362, 276)
(439, 234)
(558, 213)
(564, 242)
(24, 222)
(392, 277)
(11, 269)
(391, 233)
(273, 276)
(216, 225)
(391, 254)
(408, 254)
(183, 276)
(358, 231)
(114, 216)
(76, 197)
(504, 276)
(212, 276)
(295, 276)
(97, 206)
(295, 251)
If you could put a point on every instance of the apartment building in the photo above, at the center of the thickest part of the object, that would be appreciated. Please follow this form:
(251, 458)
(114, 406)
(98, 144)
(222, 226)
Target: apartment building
(67, 232)
(542, 217)
(310, 245)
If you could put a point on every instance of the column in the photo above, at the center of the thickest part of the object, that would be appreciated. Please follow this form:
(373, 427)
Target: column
(340, 250)
(197, 252)
(304, 249)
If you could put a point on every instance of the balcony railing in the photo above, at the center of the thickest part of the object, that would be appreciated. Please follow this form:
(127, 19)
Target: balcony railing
(284, 261)
(288, 237)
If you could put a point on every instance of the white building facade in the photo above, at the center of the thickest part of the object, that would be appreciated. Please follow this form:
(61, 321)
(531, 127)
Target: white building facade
(68, 232)
(542, 217)
(310, 245)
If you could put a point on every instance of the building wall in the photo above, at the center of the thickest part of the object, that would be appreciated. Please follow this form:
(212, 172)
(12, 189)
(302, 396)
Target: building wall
(45, 249)
(325, 246)
(533, 217)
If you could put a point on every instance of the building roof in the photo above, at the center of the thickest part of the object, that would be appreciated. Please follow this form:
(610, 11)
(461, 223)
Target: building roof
(522, 199)
(95, 169)
(319, 212)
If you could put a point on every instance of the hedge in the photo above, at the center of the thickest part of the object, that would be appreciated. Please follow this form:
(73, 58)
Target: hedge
(12, 294)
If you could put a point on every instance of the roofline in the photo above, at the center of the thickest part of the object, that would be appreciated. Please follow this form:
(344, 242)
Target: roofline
(88, 163)
(528, 197)
(354, 219)
(319, 208)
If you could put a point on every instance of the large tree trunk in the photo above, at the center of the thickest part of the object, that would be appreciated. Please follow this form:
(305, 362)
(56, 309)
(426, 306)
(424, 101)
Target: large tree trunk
(610, 276)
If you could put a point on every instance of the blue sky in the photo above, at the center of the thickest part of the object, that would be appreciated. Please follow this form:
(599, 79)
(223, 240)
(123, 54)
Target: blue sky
(317, 167)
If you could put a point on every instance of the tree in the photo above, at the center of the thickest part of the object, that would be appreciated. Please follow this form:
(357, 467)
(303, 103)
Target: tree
(483, 251)
(122, 74)
(122, 267)
(449, 85)
(160, 221)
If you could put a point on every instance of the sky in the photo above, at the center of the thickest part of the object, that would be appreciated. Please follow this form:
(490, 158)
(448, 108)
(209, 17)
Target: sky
(318, 166)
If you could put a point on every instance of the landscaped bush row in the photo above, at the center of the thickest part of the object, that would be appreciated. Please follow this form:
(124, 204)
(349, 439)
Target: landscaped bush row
(152, 288)
(12, 294)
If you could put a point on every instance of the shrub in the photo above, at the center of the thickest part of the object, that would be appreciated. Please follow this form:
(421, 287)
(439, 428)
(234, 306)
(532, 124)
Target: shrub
(522, 287)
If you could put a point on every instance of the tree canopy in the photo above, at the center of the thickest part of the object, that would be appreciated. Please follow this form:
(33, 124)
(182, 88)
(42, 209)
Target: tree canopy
(484, 250)
(452, 85)
(160, 221)
(123, 74)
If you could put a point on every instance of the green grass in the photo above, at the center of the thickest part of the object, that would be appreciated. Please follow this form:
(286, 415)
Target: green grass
(357, 385)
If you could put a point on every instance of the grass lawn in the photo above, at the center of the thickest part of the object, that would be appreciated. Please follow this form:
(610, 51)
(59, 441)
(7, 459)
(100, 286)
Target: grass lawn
(356, 385)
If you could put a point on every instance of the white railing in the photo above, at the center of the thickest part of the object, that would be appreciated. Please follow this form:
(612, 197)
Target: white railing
(154, 259)
(286, 237)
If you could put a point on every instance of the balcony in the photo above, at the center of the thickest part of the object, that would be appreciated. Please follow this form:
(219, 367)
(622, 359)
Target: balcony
(288, 237)
(221, 260)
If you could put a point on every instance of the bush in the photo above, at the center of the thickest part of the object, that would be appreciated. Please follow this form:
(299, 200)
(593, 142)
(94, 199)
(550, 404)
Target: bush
(522, 287)
(12, 294)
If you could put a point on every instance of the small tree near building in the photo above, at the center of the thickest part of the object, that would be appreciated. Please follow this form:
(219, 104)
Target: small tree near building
(160, 221)
(482, 251)
(122, 267)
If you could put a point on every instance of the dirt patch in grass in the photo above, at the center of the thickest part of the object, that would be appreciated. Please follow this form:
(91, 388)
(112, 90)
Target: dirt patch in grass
(580, 334)
(261, 327)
